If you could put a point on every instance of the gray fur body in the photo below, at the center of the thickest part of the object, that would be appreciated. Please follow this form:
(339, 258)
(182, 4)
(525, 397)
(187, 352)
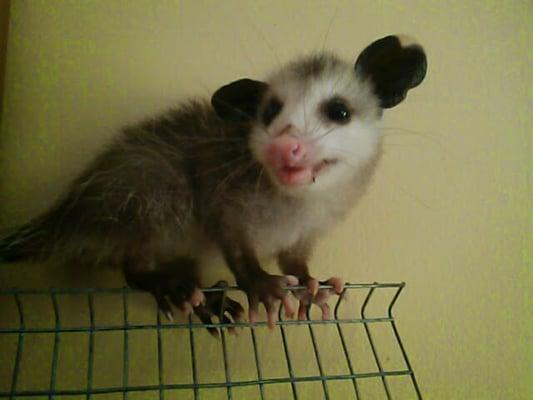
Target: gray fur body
(177, 183)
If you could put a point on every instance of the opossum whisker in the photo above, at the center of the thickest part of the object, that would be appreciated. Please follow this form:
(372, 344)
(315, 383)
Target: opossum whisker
(247, 55)
(220, 186)
(319, 138)
(349, 164)
(246, 116)
(210, 140)
(404, 131)
(263, 36)
(222, 166)
(258, 183)
(330, 24)
(305, 88)
(406, 145)
(395, 131)
(344, 152)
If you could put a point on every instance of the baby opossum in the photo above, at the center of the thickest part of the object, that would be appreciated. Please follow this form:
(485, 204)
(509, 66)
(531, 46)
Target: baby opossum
(262, 170)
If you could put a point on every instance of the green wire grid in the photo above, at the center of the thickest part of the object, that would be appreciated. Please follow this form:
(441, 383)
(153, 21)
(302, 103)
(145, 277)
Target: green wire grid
(192, 325)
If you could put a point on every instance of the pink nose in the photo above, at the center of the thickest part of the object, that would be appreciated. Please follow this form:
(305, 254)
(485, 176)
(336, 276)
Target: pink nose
(286, 150)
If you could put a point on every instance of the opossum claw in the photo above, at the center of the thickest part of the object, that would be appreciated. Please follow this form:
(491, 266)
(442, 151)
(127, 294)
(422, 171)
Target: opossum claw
(269, 289)
(169, 315)
(215, 305)
(320, 297)
(165, 285)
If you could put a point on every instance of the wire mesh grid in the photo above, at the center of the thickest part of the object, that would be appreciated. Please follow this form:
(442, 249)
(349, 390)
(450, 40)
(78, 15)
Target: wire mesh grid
(329, 339)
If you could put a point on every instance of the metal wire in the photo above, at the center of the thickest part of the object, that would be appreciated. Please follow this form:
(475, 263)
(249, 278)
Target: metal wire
(344, 346)
(125, 354)
(91, 348)
(337, 324)
(371, 341)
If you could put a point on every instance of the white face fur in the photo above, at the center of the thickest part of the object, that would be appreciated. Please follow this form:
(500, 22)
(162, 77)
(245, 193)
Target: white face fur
(338, 148)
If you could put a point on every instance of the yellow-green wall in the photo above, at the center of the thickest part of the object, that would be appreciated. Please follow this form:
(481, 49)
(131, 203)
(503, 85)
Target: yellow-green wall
(448, 211)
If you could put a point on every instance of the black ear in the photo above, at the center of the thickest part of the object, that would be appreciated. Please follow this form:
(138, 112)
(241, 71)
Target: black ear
(238, 101)
(394, 67)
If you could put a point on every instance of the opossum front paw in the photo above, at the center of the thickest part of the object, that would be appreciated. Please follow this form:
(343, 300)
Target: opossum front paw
(185, 297)
(217, 305)
(180, 290)
(268, 289)
(320, 297)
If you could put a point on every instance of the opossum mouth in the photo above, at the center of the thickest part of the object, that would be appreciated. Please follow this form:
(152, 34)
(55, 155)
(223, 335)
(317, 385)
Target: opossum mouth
(293, 175)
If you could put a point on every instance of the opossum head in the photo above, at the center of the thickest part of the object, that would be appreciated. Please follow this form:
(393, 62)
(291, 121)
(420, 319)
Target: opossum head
(315, 123)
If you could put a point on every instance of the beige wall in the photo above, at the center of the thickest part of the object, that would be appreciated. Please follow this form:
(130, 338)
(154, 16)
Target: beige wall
(4, 27)
(448, 211)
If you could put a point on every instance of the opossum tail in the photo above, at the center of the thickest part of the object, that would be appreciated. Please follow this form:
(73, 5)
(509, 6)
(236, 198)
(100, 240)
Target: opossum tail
(27, 242)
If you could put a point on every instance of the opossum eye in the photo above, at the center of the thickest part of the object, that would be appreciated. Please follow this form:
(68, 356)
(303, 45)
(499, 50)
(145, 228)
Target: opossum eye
(336, 110)
(271, 110)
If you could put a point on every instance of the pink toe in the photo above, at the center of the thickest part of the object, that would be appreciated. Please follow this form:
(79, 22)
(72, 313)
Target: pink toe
(312, 285)
(302, 313)
(238, 318)
(288, 306)
(197, 297)
(186, 308)
(253, 316)
(291, 280)
(337, 283)
(322, 297)
(272, 318)
(326, 311)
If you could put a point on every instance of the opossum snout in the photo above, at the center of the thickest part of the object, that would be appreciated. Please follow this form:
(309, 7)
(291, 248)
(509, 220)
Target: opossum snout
(290, 158)
(286, 150)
